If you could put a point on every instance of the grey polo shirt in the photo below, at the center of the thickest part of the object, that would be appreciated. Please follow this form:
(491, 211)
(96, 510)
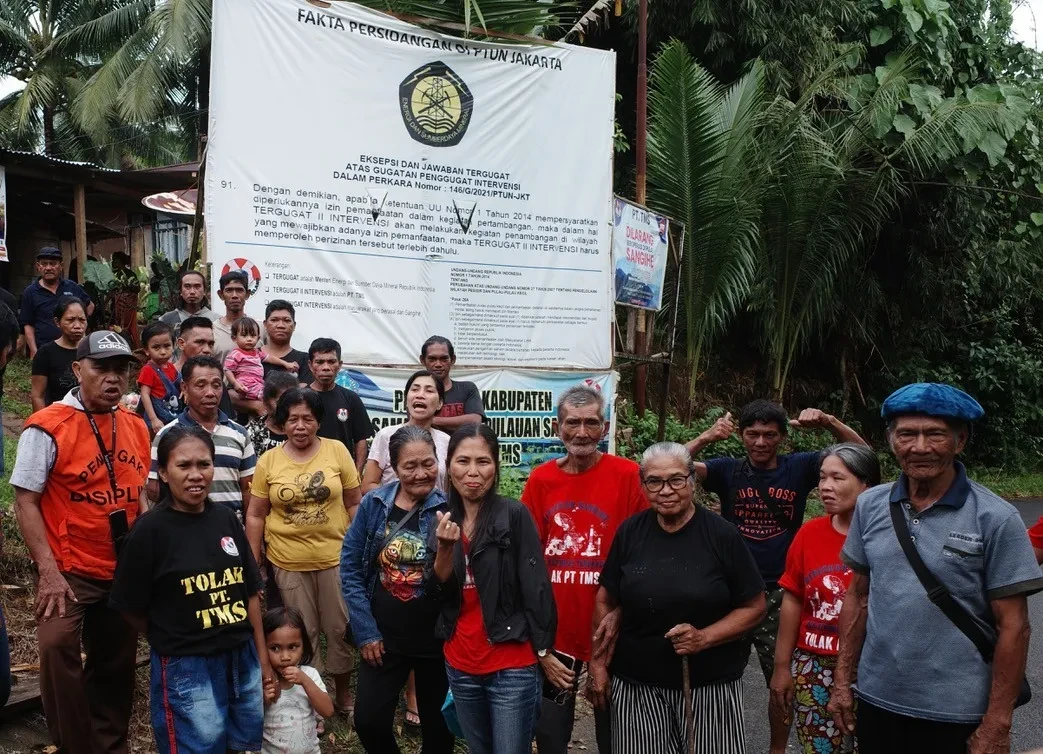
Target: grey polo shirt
(915, 662)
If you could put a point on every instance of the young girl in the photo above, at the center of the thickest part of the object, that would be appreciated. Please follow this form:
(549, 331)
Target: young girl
(243, 365)
(159, 381)
(298, 695)
(186, 578)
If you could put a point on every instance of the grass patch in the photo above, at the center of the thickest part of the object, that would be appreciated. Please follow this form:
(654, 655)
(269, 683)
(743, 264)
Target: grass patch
(18, 387)
(1009, 484)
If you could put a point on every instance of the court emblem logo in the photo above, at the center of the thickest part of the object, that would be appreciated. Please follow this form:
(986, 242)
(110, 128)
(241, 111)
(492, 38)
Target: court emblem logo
(436, 105)
(228, 545)
(342, 414)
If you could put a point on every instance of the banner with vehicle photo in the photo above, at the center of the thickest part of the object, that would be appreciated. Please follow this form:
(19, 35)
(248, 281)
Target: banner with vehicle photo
(519, 405)
(399, 182)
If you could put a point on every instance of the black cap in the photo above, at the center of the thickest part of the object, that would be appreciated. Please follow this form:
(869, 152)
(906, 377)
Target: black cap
(49, 252)
(103, 344)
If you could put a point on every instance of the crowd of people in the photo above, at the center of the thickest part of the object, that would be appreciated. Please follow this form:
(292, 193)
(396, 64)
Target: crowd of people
(248, 521)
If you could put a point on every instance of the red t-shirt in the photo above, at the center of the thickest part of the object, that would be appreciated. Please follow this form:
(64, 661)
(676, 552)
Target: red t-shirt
(469, 649)
(1036, 534)
(577, 516)
(147, 376)
(817, 576)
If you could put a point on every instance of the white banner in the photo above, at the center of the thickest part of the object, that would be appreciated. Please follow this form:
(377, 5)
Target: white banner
(639, 248)
(3, 215)
(394, 183)
(519, 405)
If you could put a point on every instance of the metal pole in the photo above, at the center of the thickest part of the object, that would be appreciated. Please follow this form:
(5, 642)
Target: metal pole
(642, 321)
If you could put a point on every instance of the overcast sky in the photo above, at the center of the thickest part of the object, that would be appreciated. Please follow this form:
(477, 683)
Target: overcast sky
(1028, 28)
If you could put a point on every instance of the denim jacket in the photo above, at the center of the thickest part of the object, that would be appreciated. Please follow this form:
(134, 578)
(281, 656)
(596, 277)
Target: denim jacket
(358, 556)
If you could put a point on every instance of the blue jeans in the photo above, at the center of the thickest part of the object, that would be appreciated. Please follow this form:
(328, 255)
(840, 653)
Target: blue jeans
(498, 711)
(207, 705)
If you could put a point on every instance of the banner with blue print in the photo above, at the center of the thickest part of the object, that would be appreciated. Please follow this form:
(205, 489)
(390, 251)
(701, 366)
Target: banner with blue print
(519, 405)
(639, 250)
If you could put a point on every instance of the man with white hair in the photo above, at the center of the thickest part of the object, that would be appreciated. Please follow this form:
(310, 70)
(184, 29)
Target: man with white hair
(578, 502)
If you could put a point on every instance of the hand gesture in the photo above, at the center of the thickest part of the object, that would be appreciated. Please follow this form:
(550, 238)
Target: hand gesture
(556, 672)
(599, 685)
(812, 418)
(687, 639)
(842, 707)
(722, 429)
(292, 674)
(51, 593)
(373, 653)
(446, 530)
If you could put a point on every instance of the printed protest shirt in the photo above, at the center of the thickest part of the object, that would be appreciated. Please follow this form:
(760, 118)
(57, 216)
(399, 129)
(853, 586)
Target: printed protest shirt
(344, 417)
(817, 577)
(788, 484)
(462, 398)
(192, 575)
(307, 523)
(577, 516)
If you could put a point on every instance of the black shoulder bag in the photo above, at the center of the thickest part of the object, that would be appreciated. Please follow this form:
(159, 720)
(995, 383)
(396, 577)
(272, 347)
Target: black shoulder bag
(944, 601)
(349, 638)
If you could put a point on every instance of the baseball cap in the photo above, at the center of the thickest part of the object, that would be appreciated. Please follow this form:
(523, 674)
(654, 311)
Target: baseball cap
(103, 344)
(49, 252)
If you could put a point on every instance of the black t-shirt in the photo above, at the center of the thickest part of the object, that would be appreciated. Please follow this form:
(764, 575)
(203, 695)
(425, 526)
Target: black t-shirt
(462, 398)
(192, 575)
(695, 575)
(300, 358)
(55, 363)
(345, 417)
(404, 612)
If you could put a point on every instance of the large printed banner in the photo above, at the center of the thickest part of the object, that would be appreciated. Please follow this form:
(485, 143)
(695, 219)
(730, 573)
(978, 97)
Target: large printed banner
(394, 183)
(640, 249)
(3, 214)
(519, 405)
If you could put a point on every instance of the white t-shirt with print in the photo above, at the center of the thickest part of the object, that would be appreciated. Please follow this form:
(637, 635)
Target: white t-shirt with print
(381, 453)
(290, 721)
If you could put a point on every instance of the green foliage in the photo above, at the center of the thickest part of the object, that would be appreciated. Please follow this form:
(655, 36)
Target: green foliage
(512, 482)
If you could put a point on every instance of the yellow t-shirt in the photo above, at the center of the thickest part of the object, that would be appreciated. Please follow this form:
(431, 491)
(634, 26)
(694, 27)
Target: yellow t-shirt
(306, 525)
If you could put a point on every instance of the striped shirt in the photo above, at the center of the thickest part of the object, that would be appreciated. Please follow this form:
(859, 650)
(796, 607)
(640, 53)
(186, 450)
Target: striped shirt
(235, 458)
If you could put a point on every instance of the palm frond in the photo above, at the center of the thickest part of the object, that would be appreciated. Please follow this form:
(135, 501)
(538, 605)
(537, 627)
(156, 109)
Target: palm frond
(592, 19)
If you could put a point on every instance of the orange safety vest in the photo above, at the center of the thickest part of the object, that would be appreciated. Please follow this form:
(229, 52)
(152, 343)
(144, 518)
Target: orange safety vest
(78, 498)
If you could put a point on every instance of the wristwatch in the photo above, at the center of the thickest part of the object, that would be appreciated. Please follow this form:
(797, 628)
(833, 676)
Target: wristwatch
(541, 653)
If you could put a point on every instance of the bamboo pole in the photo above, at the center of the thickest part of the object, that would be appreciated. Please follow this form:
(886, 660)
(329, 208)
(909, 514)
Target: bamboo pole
(79, 211)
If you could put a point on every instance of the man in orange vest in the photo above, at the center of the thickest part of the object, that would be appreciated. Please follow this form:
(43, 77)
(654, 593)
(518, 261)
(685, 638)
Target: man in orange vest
(78, 476)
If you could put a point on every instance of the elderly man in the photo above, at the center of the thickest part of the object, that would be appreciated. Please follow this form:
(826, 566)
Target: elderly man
(72, 514)
(938, 671)
(39, 298)
(578, 502)
(202, 382)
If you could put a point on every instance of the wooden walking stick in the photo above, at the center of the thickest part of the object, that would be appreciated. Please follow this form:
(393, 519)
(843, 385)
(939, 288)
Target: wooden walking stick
(689, 711)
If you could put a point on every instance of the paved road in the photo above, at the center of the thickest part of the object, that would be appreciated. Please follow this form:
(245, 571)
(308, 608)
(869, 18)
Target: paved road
(1028, 720)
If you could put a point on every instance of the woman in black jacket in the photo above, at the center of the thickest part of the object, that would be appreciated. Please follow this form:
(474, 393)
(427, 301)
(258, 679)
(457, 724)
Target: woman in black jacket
(497, 608)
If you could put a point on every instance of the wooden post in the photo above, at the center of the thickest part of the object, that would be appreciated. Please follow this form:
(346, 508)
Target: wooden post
(137, 246)
(640, 318)
(79, 210)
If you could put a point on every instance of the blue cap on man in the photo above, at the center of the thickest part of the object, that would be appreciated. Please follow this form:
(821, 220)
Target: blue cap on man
(932, 399)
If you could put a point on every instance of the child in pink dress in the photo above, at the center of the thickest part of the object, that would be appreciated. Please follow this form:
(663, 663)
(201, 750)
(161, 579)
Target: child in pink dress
(244, 368)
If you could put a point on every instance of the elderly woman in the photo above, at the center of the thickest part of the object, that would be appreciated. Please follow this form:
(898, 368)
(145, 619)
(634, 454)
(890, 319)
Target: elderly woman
(264, 433)
(392, 611)
(815, 584)
(424, 396)
(689, 590)
(302, 497)
(498, 612)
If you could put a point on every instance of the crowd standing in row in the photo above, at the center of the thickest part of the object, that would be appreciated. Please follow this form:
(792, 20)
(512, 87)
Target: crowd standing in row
(606, 576)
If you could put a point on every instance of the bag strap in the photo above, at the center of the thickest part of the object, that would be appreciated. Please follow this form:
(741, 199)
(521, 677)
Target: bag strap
(398, 527)
(936, 591)
(169, 386)
(745, 471)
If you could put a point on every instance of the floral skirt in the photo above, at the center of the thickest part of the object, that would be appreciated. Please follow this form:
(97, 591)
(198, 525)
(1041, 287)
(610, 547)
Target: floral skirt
(816, 731)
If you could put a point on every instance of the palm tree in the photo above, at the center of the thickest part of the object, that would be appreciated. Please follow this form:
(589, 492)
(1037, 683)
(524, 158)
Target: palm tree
(159, 65)
(701, 172)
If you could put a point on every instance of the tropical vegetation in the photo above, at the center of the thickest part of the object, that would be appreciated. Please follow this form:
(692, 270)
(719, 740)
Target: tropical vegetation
(860, 180)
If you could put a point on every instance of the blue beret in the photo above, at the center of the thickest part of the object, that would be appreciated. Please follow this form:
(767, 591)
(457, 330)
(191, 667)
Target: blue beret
(932, 399)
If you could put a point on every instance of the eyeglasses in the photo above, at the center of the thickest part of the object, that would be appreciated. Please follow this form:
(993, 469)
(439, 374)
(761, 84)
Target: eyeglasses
(655, 484)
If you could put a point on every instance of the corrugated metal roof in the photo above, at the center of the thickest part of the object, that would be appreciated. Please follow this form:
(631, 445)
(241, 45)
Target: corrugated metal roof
(34, 156)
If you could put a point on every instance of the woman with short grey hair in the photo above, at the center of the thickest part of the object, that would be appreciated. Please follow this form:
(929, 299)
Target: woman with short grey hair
(689, 589)
(815, 583)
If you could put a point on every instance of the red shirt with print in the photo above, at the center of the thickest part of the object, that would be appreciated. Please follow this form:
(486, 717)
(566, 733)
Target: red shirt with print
(469, 649)
(817, 577)
(577, 516)
(1036, 534)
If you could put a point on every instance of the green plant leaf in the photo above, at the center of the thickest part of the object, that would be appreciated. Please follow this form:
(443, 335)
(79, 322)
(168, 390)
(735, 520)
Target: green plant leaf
(994, 146)
(925, 98)
(1037, 218)
(879, 35)
(914, 19)
(904, 124)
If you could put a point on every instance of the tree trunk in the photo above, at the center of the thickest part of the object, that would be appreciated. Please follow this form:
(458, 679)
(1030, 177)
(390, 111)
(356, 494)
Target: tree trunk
(48, 131)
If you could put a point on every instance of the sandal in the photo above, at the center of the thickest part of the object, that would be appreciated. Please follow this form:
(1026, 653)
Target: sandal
(412, 718)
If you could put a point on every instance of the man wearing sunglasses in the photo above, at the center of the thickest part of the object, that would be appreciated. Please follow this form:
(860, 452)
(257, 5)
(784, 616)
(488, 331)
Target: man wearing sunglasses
(764, 496)
(578, 502)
